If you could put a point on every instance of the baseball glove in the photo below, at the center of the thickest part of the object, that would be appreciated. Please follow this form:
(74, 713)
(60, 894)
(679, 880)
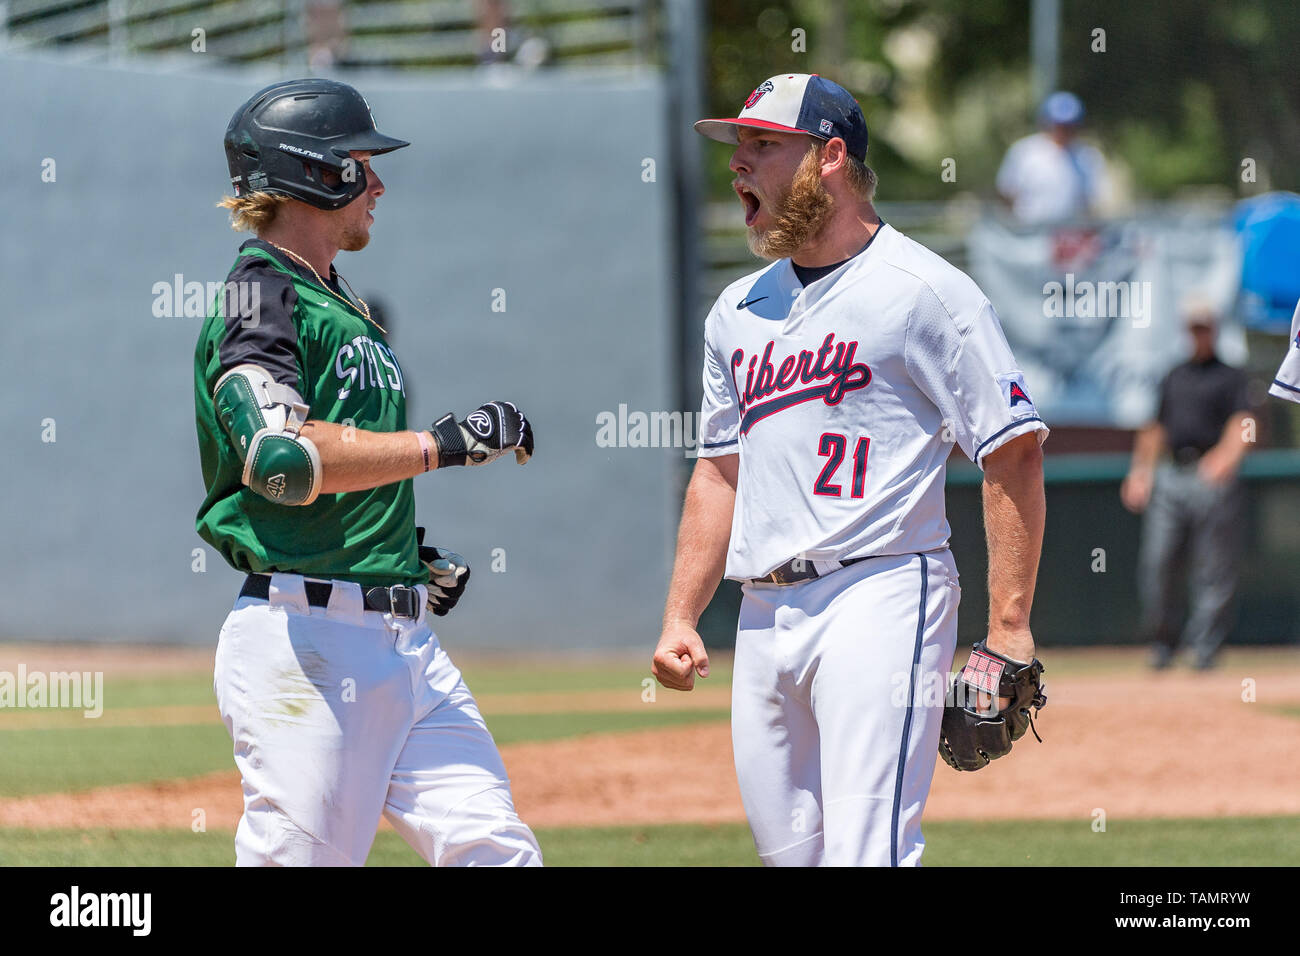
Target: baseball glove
(448, 575)
(971, 736)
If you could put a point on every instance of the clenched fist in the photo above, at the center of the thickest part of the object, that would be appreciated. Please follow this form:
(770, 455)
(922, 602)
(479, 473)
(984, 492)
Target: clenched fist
(448, 575)
(679, 657)
(486, 434)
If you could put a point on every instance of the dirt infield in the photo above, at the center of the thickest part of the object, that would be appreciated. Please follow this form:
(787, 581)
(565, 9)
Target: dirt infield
(1132, 744)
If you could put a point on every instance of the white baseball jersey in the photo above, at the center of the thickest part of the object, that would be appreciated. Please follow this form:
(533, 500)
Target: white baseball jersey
(1286, 384)
(843, 400)
(1048, 182)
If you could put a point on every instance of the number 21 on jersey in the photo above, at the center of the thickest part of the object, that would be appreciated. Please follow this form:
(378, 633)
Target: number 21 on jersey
(832, 447)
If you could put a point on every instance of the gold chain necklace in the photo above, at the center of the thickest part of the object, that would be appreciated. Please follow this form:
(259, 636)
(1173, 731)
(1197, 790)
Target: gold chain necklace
(365, 309)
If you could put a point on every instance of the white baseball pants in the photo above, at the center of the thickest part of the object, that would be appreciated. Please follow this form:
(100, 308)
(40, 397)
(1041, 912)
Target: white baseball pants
(340, 715)
(837, 699)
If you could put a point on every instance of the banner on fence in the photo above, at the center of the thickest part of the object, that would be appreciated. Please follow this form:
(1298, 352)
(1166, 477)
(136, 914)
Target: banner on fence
(1094, 312)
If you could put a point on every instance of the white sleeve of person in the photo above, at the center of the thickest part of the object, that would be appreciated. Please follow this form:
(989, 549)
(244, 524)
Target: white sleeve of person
(719, 429)
(1010, 172)
(264, 421)
(963, 364)
(1286, 384)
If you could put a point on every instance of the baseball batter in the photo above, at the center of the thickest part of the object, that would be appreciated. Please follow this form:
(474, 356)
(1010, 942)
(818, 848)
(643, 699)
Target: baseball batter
(341, 703)
(835, 381)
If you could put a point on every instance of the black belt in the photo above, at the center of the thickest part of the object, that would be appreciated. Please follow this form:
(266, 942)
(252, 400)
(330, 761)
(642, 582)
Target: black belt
(796, 570)
(398, 600)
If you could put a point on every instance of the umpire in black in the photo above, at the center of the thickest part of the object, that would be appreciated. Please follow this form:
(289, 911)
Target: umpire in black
(1184, 476)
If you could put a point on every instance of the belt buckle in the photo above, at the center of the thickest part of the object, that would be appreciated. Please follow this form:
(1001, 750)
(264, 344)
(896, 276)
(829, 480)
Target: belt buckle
(790, 573)
(411, 599)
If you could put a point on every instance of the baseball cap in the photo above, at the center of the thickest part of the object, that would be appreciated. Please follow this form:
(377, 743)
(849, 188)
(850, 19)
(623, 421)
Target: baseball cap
(1061, 109)
(797, 103)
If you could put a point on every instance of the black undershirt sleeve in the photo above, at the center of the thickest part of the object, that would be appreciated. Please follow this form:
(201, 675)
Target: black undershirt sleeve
(259, 322)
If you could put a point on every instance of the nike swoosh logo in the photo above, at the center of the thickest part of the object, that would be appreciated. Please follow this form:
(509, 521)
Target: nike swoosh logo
(745, 304)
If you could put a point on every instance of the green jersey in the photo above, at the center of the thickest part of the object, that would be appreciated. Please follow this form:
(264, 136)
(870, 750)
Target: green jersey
(275, 314)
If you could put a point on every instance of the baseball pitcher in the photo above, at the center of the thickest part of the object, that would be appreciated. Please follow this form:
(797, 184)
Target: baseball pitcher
(341, 703)
(835, 383)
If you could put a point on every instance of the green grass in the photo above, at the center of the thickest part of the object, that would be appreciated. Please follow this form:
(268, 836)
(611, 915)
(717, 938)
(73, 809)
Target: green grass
(483, 675)
(79, 758)
(119, 694)
(178, 690)
(1244, 841)
(626, 846)
(490, 676)
(727, 844)
(27, 847)
(1228, 841)
(517, 728)
(668, 845)
(46, 761)
(73, 753)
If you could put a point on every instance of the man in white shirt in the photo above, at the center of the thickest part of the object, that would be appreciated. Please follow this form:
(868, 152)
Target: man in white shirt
(1051, 176)
(835, 382)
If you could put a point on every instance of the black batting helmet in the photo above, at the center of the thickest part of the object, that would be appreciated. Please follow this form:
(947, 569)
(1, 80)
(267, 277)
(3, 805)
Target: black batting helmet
(293, 138)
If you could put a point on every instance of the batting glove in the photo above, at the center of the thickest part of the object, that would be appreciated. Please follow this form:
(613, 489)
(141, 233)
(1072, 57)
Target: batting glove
(486, 434)
(448, 576)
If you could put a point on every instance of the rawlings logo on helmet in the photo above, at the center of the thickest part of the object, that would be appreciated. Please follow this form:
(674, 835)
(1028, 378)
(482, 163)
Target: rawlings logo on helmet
(764, 87)
(298, 150)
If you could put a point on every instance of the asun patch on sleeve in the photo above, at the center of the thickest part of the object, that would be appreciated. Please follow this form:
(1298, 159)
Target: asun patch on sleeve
(1016, 395)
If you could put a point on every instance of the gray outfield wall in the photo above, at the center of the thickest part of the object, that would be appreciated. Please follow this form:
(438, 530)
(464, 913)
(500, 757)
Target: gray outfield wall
(535, 189)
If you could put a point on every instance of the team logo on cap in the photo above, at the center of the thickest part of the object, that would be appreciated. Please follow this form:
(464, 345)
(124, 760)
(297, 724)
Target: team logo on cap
(827, 127)
(764, 87)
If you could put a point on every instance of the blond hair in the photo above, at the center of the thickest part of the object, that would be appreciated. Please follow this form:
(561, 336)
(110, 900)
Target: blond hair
(861, 179)
(254, 212)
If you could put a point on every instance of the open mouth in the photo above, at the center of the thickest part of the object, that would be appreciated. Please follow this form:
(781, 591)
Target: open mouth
(751, 201)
